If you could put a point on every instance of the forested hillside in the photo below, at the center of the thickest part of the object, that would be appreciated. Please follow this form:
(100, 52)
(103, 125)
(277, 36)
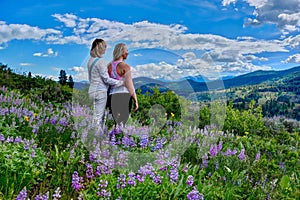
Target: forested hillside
(37, 86)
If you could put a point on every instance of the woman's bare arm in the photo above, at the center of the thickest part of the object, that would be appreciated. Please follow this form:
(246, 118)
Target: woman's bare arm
(124, 70)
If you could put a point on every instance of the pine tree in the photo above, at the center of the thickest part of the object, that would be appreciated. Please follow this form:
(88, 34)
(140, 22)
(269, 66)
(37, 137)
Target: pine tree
(71, 82)
(62, 77)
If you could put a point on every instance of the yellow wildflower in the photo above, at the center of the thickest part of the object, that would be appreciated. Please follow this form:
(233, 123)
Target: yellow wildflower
(26, 118)
(172, 114)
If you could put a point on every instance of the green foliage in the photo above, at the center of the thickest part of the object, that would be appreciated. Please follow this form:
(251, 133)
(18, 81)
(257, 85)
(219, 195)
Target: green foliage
(81, 97)
(63, 78)
(35, 87)
(246, 121)
(157, 106)
(22, 164)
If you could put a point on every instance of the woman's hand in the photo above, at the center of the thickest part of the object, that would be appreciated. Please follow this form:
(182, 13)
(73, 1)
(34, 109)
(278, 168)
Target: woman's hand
(136, 106)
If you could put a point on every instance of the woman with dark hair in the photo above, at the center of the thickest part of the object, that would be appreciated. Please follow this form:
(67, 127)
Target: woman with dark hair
(99, 81)
(121, 96)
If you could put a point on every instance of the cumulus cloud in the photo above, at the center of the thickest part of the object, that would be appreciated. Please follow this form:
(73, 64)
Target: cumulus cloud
(293, 59)
(79, 76)
(10, 32)
(77, 69)
(48, 53)
(285, 14)
(68, 19)
(222, 54)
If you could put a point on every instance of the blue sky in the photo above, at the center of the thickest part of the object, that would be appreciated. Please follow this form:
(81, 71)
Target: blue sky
(166, 39)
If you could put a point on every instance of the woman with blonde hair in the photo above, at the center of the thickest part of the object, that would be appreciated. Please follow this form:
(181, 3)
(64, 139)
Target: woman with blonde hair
(121, 96)
(99, 81)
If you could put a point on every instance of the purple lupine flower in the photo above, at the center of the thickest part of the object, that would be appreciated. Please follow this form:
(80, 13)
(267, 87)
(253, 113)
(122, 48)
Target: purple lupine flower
(26, 145)
(185, 169)
(157, 179)
(53, 120)
(10, 139)
(126, 142)
(2, 138)
(72, 154)
(122, 159)
(229, 152)
(98, 170)
(217, 165)
(257, 157)
(57, 195)
(113, 140)
(115, 131)
(282, 166)
(148, 169)
(158, 145)
(42, 197)
(131, 177)
(102, 192)
(35, 129)
(242, 155)
(92, 156)
(32, 154)
(190, 180)
(204, 161)
(121, 181)
(177, 123)
(22, 195)
(77, 181)
(144, 140)
(63, 121)
(89, 171)
(18, 140)
(213, 151)
(140, 178)
(194, 195)
(174, 172)
(106, 169)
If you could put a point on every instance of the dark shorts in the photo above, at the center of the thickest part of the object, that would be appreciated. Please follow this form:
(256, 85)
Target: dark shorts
(120, 107)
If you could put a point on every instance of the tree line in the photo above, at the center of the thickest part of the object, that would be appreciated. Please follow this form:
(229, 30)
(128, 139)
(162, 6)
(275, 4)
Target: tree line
(37, 86)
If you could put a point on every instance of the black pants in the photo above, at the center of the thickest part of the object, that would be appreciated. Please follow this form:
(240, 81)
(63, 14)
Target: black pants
(120, 106)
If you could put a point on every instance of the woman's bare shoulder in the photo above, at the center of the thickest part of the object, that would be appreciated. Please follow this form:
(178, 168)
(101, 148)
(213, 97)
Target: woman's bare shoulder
(124, 66)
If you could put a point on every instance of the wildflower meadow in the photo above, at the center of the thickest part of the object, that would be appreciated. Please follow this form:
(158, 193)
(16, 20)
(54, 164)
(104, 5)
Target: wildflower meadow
(53, 151)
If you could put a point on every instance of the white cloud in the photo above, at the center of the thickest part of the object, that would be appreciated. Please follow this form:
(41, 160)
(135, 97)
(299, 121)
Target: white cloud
(68, 19)
(48, 53)
(228, 2)
(81, 76)
(10, 32)
(77, 69)
(293, 59)
(56, 69)
(222, 53)
(26, 64)
(285, 14)
(292, 42)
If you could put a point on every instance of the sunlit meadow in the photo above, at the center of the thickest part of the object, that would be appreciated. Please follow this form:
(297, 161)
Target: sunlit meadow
(53, 151)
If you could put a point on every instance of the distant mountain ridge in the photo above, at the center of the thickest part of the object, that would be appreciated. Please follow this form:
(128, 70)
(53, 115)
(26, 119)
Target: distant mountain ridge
(190, 84)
